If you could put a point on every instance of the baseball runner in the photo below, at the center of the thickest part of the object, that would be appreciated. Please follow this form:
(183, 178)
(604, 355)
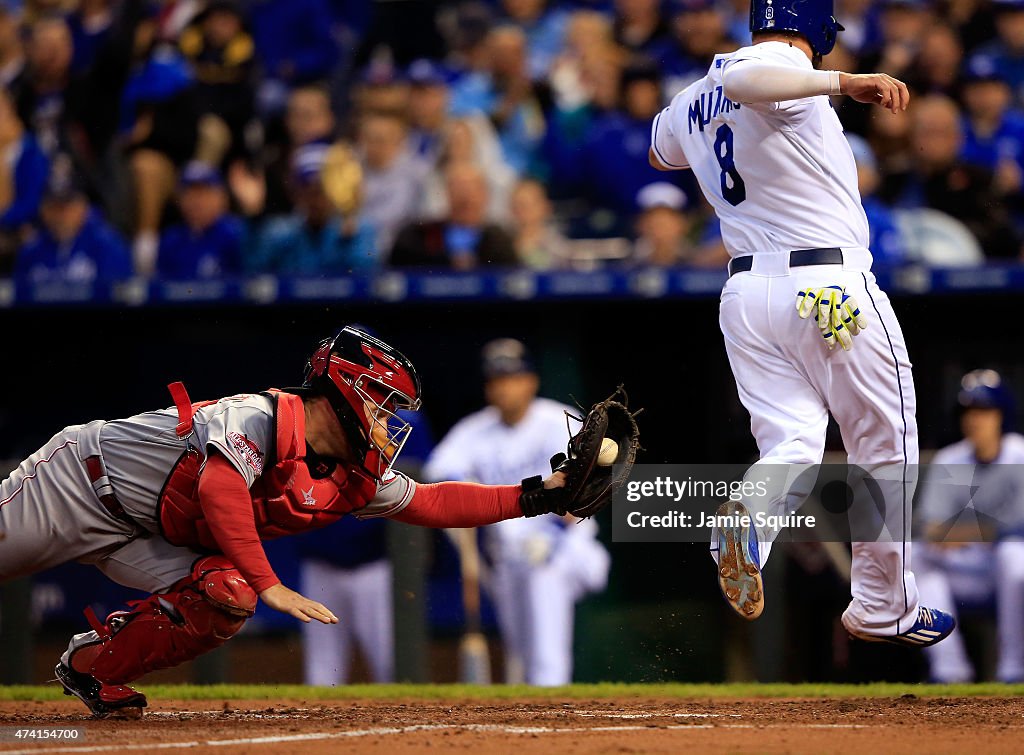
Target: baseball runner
(541, 566)
(973, 492)
(768, 150)
(175, 502)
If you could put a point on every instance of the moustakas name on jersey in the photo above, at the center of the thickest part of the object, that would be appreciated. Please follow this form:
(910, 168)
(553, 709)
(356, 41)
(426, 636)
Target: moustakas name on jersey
(780, 175)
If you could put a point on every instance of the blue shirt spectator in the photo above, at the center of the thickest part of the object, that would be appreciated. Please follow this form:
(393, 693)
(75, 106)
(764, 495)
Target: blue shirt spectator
(699, 32)
(614, 157)
(346, 544)
(208, 243)
(993, 132)
(290, 245)
(886, 242)
(27, 165)
(506, 95)
(322, 236)
(1008, 49)
(75, 245)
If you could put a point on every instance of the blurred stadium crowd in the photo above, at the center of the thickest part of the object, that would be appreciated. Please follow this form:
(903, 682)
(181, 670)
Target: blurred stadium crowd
(196, 139)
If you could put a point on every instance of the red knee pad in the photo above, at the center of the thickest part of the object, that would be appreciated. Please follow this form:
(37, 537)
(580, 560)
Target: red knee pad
(198, 614)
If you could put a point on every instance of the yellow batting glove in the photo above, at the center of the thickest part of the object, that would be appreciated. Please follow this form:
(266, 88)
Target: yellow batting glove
(837, 314)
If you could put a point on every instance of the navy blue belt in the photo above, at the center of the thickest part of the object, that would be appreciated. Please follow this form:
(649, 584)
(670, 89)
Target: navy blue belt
(800, 258)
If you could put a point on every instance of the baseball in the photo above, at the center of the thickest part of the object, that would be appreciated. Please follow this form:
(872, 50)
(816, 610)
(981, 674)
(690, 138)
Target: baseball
(609, 452)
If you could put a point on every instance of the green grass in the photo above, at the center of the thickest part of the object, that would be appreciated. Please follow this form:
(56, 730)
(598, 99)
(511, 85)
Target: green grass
(238, 692)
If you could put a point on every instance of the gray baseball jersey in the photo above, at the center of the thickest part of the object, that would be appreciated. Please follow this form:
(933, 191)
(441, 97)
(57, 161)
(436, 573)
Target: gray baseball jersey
(50, 513)
(140, 451)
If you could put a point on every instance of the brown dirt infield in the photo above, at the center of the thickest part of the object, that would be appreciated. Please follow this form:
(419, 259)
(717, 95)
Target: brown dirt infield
(656, 725)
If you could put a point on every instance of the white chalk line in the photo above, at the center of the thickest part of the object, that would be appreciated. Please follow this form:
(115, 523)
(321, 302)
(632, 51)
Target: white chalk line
(653, 714)
(398, 730)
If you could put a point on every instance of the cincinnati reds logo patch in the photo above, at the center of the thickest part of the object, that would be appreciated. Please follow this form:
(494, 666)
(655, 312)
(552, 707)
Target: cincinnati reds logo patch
(248, 450)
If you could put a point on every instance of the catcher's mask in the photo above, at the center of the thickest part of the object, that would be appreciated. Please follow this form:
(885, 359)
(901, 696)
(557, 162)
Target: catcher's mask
(366, 382)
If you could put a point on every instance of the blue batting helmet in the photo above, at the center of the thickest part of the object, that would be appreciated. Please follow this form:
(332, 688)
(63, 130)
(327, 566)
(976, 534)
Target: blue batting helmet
(812, 19)
(986, 389)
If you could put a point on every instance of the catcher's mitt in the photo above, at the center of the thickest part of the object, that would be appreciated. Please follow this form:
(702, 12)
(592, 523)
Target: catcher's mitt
(588, 485)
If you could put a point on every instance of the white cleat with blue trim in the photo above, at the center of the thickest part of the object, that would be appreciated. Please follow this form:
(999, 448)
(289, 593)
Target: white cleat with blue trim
(932, 626)
(739, 563)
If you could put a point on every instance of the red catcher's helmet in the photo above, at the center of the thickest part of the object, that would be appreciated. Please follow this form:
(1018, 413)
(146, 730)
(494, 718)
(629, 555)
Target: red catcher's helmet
(367, 382)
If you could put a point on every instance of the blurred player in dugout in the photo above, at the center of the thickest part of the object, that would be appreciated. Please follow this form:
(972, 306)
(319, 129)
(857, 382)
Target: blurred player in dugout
(983, 499)
(346, 565)
(542, 566)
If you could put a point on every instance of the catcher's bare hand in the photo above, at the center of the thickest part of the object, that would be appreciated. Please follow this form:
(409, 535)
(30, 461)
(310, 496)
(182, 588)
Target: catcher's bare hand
(280, 598)
(556, 480)
(875, 89)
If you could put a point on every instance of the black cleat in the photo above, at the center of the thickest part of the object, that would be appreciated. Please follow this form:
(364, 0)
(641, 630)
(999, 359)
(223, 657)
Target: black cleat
(102, 699)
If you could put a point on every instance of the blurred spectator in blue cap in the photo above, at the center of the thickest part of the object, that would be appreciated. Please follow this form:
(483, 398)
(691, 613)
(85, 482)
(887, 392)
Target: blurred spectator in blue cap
(325, 234)
(428, 108)
(663, 227)
(699, 33)
(1008, 49)
(993, 131)
(221, 54)
(23, 173)
(886, 244)
(544, 25)
(380, 86)
(463, 239)
(640, 26)
(295, 46)
(75, 244)
(393, 177)
(208, 241)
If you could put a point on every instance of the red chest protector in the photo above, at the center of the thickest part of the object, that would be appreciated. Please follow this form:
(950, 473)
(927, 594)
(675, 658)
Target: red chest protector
(286, 499)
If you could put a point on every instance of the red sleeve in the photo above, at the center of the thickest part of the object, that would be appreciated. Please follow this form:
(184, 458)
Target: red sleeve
(461, 504)
(227, 507)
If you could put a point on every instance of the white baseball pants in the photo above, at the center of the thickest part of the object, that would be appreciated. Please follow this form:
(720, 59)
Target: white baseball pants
(361, 598)
(974, 573)
(789, 382)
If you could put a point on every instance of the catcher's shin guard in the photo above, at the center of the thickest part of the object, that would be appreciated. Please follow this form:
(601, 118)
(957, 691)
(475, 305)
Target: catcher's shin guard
(198, 614)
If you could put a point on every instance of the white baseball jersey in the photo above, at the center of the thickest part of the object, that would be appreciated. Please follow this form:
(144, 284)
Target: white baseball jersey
(973, 573)
(780, 175)
(993, 490)
(542, 566)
